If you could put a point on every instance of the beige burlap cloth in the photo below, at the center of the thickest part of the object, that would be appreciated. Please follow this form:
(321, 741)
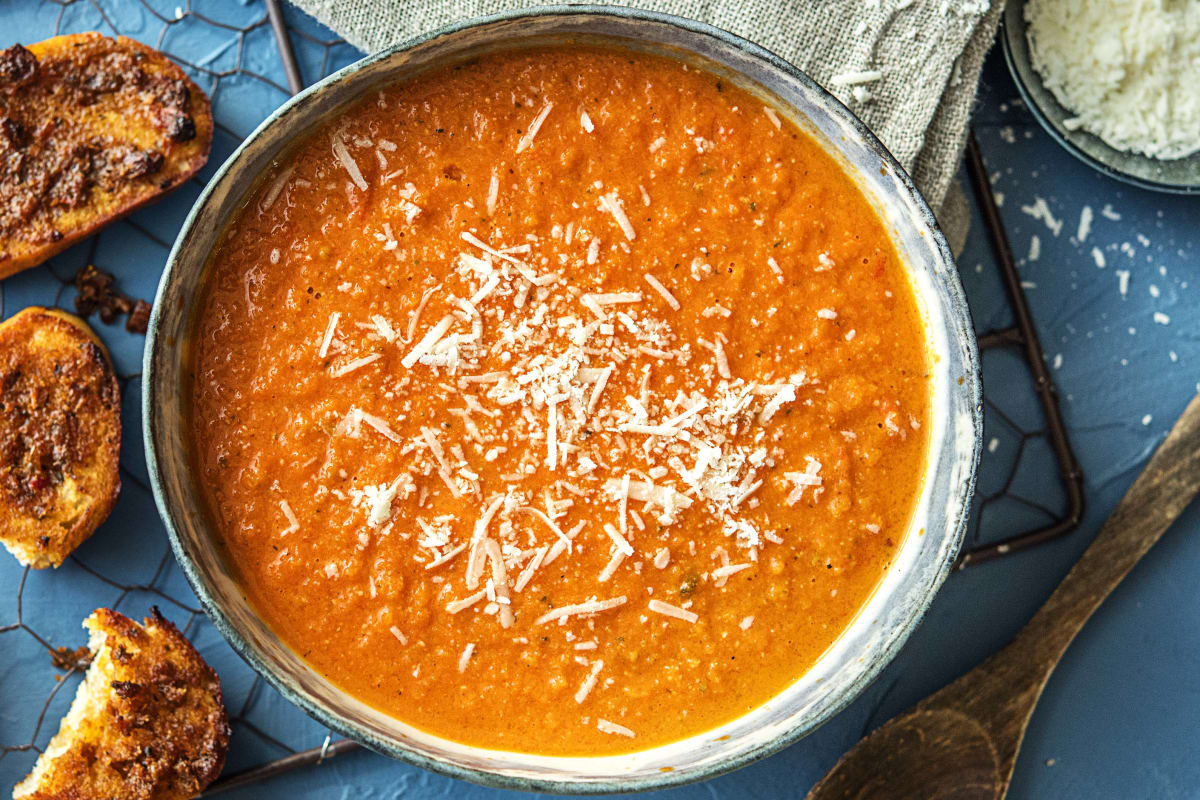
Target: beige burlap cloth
(929, 51)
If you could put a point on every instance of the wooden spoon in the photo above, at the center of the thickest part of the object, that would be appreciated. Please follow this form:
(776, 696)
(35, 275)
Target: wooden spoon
(962, 741)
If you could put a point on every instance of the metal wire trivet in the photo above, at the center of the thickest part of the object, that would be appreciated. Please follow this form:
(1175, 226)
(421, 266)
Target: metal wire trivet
(1020, 337)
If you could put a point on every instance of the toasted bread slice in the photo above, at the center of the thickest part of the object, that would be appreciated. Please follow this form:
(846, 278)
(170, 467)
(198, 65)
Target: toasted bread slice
(147, 723)
(91, 128)
(60, 435)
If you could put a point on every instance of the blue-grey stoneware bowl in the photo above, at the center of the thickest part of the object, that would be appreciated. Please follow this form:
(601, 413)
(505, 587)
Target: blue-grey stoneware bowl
(871, 640)
(1178, 176)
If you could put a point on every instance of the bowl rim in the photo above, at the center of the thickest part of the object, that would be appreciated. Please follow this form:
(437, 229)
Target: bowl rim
(1014, 27)
(955, 300)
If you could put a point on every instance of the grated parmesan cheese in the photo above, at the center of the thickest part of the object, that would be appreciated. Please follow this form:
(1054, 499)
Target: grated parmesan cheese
(856, 77)
(526, 140)
(293, 523)
(612, 204)
(1041, 210)
(465, 658)
(329, 331)
(577, 609)
(350, 366)
(343, 155)
(1085, 224)
(662, 290)
(589, 682)
(668, 610)
(1129, 70)
(620, 541)
(611, 727)
(800, 480)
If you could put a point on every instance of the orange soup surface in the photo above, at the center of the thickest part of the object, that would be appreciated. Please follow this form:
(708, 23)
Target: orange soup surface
(566, 401)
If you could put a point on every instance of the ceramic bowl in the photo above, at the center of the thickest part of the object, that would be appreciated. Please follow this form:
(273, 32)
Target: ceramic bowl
(1178, 176)
(871, 640)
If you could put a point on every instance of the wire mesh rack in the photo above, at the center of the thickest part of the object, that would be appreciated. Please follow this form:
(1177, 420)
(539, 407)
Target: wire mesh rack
(249, 58)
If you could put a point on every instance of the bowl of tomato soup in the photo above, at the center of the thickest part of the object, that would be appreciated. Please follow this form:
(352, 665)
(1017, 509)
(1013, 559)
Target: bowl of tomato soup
(578, 400)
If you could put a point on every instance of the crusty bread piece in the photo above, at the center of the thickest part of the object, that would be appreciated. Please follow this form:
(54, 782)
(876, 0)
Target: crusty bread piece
(60, 435)
(147, 723)
(91, 128)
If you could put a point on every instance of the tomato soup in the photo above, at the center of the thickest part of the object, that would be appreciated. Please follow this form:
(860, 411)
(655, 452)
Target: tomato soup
(568, 401)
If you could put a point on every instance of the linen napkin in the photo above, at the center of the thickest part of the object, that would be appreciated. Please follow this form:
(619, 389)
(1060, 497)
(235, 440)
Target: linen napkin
(929, 53)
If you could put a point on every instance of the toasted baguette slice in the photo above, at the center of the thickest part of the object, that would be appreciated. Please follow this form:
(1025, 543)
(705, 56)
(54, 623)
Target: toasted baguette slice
(147, 723)
(60, 435)
(91, 128)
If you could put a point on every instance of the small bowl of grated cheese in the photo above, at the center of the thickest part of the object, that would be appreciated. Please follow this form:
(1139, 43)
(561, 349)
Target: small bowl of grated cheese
(1116, 82)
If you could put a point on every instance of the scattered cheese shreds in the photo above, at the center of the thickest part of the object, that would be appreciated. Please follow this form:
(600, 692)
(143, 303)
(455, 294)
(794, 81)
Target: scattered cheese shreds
(276, 188)
(447, 556)
(552, 436)
(773, 116)
(577, 609)
(396, 632)
(427, 341)
(1041, 210)
(586, 121)
(722, 360)
(329, 331)
(381, 426)
(668, 610)
(293, 523)
(800, 480)
(612, 204)
(589, 682)
(381, 498)
(1085, 224)
(350, 366)
(493, 193)
(465, 658)
(605, 726)
(611, 567)
(456, 606)
(499, 581)
(856, 77)
(732, 569)
(620, 541)
(526, 141)
(1123, 281)
(662, 290)
(343, 155)
(530, 568)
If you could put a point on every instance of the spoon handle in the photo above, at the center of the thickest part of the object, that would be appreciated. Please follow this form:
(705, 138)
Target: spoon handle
(1159, 495)
(1002, 691)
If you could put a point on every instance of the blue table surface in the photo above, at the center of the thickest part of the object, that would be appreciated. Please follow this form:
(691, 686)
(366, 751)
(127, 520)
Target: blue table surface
(1118, 718)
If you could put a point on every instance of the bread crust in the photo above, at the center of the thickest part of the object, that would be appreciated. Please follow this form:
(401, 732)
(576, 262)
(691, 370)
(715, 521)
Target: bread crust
(147, 723)
(60, 435)
(91, 128)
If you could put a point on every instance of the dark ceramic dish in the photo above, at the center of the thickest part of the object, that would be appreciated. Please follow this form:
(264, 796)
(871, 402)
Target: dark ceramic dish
(1178, 176)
